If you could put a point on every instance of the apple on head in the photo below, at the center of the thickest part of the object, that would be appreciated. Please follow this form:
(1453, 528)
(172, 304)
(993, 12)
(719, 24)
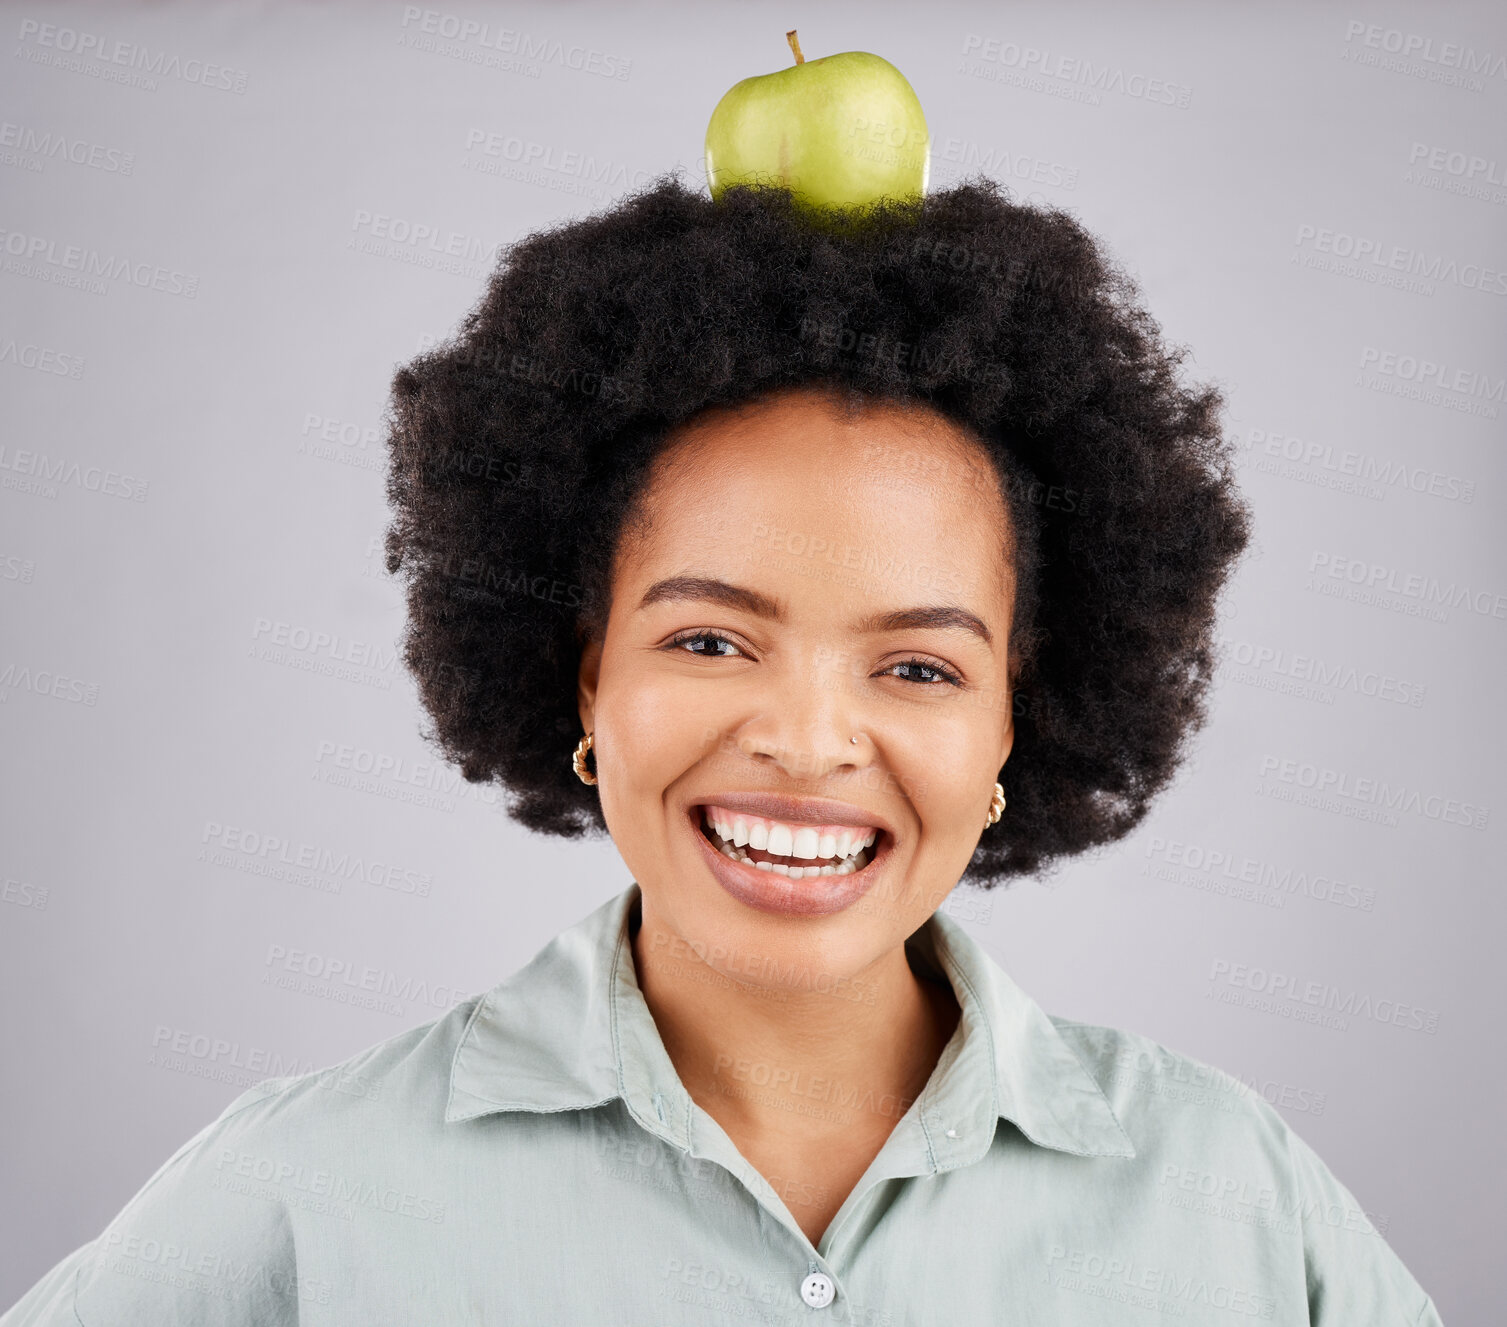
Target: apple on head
(839, 131)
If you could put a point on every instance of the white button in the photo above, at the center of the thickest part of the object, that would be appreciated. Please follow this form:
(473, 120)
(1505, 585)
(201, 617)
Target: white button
(817, 1290)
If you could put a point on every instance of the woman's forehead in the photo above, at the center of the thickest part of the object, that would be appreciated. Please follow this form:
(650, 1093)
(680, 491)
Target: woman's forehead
(830, 513)
(904, 446)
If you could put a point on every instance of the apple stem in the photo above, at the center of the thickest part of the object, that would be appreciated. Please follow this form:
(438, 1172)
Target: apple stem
(795, 46)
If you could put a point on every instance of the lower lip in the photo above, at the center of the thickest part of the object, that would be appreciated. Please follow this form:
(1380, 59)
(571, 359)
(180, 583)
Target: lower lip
(810, 896)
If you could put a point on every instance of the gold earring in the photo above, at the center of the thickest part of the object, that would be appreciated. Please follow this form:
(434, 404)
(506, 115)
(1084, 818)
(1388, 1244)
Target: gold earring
(578, 761)
(996, 806)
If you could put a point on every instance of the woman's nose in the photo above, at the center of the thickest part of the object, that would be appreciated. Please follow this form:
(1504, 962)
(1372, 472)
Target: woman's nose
(809, 730)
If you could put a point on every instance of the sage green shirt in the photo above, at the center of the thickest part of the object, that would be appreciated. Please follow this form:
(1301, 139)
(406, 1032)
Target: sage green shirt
(531, 1157)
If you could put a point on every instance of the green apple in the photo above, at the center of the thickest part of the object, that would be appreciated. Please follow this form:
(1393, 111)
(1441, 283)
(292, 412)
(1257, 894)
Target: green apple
(839, 131)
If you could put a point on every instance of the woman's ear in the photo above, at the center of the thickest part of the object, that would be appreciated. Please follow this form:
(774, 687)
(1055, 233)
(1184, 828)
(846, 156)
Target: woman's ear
(586, 681)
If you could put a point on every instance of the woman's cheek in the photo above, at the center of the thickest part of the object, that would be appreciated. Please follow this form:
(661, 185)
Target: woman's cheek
(651, 729)
(947, 777)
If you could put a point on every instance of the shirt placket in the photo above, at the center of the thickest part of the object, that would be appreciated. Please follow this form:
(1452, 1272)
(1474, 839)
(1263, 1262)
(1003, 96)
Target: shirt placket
(951, 1124)
(657, 1100)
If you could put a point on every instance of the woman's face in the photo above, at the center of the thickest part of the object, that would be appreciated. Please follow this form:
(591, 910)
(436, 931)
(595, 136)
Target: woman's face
(747, 644)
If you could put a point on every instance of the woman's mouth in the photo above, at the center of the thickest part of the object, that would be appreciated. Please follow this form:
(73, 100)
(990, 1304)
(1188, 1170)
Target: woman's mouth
(803, 850)
(785, 867)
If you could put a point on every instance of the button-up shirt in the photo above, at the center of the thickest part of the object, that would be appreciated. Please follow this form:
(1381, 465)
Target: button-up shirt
(532, 1157)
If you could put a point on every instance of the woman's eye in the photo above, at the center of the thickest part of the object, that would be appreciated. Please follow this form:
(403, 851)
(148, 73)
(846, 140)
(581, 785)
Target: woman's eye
(946, 674)
(689, 638)
(688, 641)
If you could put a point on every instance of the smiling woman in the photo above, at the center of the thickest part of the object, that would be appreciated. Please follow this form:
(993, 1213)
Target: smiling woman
(824, 569)
(727, 670)
(806, 716)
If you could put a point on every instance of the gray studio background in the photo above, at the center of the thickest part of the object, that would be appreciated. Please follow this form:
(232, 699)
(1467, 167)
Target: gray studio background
(198, 646)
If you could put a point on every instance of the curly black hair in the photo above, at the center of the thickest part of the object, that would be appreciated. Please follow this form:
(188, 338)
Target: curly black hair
(519, 447)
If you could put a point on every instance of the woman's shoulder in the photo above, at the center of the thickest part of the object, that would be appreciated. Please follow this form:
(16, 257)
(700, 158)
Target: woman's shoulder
(292, 1134)
(1167, 1099)
(212, 1228)
(1213, 1143)
(1134, 1064)
(407, 1072)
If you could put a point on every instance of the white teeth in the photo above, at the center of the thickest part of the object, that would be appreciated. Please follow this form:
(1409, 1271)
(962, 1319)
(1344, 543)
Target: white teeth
(805, 843)
(802, 841)
(845, 867)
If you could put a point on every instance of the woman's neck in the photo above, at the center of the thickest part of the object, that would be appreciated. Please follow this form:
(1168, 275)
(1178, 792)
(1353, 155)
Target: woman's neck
(797, 1066)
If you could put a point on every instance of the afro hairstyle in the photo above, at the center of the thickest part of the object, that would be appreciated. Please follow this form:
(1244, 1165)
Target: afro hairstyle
(519, 446)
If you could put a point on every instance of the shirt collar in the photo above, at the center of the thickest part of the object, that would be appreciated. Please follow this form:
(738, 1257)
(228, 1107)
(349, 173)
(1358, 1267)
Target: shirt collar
(571, 1030)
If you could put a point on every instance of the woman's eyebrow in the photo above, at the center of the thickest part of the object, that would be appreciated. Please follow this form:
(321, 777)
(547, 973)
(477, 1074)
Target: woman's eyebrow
(711, 590)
